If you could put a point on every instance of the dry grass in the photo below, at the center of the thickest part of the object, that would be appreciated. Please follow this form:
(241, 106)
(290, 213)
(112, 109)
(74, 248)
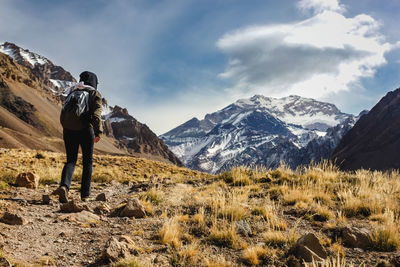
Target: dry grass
(279, 238)
(238, 176)
(386, 236)
(332, 262)
(130, 262)
(269, 212)
(153, 195)
(105, 167)
(170, 233)
(224, 234)
(189, 254)
(252, 255)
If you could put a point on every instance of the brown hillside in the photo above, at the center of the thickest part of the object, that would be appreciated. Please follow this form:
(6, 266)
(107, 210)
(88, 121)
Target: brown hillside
(374, 141)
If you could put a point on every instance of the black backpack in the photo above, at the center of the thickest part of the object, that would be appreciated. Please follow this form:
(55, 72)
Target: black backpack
(75, 112)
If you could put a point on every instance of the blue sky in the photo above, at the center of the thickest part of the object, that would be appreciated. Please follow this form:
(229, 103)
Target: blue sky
(168, 61)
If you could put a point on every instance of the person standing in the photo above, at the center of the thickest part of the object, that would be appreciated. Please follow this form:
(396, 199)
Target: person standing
(82, 126)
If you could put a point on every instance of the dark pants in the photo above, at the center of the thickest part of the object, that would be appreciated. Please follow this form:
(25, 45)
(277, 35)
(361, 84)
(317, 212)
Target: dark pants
(72, 140)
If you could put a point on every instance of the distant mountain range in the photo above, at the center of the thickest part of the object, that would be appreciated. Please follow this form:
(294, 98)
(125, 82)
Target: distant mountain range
(31, 89)
(260, 131)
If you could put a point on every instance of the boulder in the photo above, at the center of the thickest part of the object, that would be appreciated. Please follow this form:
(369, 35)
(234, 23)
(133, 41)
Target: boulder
(356, 237)
(133, 208)
(308, 248)
(118, 248)
(72, 206)
(13, 219)
(28, 180)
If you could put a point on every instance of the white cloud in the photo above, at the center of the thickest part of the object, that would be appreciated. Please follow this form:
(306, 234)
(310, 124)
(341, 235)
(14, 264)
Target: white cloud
(319, 6)
(321, 55)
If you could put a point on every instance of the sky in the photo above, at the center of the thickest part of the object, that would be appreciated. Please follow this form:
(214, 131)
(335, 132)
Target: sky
(168, 61)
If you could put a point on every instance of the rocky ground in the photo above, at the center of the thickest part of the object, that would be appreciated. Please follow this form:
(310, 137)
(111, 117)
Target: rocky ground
(52, 236)
(242, 217)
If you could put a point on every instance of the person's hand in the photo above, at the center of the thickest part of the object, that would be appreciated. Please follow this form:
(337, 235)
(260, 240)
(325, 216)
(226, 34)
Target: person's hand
(97, 139)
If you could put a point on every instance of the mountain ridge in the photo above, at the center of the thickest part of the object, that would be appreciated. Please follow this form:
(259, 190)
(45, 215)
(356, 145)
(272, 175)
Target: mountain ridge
(259, 130)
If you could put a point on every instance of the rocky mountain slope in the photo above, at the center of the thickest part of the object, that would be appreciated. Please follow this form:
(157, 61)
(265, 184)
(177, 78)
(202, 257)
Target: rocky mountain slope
(374, 141)
(260, 131)
(31, 94)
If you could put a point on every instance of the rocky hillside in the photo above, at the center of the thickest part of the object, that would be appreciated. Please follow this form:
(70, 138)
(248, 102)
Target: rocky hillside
(135, 136)
(146, 213)
(374, 141)
(260, 131)
(42, 68)
(31, 91)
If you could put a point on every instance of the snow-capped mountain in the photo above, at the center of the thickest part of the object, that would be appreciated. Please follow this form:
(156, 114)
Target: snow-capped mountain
(56, 78)
(262, 131)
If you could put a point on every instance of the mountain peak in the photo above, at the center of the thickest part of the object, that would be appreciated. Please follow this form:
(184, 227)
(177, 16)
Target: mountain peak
(22, 56)
(293, 109)
(259, 130)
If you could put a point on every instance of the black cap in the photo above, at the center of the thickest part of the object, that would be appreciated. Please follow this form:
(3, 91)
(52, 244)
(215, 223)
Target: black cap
(89, 78)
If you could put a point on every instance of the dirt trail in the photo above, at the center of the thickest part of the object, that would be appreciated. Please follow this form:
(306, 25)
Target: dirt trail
(50, 234)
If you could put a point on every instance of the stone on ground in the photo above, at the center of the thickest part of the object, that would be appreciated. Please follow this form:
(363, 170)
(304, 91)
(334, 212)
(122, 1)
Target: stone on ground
(356, 237)
(13, 219)
(118, 248)
(308, 248)
(101, 197)
(82, 217)
(72, 206)
(28, 180)
(133, 208)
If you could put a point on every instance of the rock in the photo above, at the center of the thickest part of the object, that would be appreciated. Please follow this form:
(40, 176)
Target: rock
(243, 228)
(356, 237)
(82, 217)
(102, 209)
(45, 199)
(72, 206)
(118, 248)
(126, 239)
(13, 219)
(101, 197)
(133, 208)
(308, 248)
(87, 217)
(28, 180)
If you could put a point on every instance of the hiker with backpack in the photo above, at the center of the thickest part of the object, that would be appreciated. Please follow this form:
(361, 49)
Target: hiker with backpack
(82, 126)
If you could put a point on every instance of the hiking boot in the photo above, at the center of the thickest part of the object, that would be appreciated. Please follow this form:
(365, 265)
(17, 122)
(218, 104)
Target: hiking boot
(62, 193)
(85, 199)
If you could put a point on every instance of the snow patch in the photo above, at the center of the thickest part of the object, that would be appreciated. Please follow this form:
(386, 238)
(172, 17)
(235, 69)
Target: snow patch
(116, 119)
